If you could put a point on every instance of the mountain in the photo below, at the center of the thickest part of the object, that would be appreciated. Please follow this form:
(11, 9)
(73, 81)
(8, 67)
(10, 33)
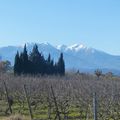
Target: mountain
(76, 56)
(89, 58)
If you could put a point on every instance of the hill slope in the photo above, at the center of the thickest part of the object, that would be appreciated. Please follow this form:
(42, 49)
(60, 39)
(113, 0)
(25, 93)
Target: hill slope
(76, 56)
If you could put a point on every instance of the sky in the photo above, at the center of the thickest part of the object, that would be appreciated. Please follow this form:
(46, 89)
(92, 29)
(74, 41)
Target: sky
(94, 23)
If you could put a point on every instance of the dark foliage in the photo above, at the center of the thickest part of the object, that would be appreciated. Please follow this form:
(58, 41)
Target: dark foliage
(61, 65)
(35, 63)
(17, 64)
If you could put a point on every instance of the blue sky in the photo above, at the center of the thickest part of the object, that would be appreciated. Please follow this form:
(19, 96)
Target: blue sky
(95, 23)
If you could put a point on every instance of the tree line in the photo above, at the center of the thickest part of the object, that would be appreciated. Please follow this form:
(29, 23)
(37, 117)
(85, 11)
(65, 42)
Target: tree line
(35, 63)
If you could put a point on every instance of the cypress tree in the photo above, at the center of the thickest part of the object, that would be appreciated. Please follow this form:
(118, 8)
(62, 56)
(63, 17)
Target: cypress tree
(17, 64)
(38, 61)
(48, 64)
(49, 58)
(52, 70)
(61, 65)
(55, 69)
(21, 63)
(36, 64)
(25, 61)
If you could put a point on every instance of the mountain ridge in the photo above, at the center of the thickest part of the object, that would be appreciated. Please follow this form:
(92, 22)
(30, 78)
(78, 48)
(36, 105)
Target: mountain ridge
(77, 56)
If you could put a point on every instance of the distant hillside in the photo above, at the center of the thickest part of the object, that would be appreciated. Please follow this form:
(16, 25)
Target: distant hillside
(76, 56)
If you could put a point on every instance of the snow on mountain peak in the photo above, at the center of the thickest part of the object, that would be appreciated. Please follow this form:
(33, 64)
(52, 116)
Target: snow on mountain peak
(61, 47)
(76, 47)
(45, 43)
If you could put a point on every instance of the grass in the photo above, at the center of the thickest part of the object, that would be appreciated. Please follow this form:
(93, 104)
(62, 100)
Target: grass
(42, 113)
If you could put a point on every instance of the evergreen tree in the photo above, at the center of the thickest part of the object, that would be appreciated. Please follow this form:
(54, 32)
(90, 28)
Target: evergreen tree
(37, 60)
(49, 58)
(61, 65)
(25, 61)
(21, 63)
(48, 64)
(17, 69)
(52, 70)
(36, 64)
(55, 69)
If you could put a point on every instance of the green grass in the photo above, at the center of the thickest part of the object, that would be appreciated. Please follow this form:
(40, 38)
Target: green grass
(41, 113)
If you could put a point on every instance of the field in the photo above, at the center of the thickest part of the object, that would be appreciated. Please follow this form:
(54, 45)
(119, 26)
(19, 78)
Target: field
(71, 97)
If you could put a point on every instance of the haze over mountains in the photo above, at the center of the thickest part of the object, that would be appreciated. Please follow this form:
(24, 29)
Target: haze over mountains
(76, 56)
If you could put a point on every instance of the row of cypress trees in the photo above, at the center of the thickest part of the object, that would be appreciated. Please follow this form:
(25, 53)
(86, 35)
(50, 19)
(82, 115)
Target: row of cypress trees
(35, 63)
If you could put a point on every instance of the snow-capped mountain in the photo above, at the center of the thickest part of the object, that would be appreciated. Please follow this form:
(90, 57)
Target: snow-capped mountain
(77, 56)
(75, 47)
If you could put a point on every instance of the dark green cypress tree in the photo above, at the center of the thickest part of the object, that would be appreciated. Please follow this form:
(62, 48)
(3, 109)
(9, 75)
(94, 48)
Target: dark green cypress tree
(25, 61)
(48, 65)
(55, 69)
(21, 63)
(17, 69)
(36, 64)
(49, 58)
(52, 67)
(37, 60)
(61, 65)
